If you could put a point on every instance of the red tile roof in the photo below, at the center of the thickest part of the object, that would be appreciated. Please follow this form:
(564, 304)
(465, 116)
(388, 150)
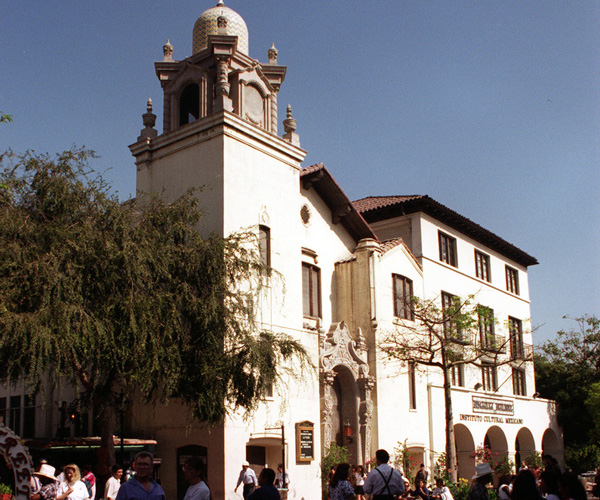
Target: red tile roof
(377, 208)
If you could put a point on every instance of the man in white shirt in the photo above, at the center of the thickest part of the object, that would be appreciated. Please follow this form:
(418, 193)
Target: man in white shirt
(192, 471)
(383, 482)
(114, 483)
(248, 477)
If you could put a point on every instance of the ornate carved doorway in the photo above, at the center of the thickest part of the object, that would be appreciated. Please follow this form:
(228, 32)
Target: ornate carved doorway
(346, 404)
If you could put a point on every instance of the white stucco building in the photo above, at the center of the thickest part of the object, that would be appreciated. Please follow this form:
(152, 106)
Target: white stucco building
(344, 269)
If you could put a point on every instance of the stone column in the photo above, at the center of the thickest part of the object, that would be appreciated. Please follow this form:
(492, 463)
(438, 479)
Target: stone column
(327, 379)
(365, 414)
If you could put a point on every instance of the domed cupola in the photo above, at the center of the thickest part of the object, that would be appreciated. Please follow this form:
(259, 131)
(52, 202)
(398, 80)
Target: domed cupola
(222, 17)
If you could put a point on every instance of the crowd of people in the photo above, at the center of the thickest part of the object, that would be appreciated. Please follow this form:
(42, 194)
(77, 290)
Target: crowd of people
(75, 484)
(549, 483)
(348, 482)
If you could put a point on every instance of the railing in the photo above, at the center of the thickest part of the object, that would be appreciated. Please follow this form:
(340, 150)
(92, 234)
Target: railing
(518, 350)
(493, 343)
(461, 337)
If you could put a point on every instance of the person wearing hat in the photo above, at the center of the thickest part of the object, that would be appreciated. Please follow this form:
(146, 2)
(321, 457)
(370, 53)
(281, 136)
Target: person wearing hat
(49, 483)
(248, 477)
(483, 475)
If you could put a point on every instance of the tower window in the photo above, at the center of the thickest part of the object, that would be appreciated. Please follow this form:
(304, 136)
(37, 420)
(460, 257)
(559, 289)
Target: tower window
(412, 386)
(189, 104)
(311, 290)
(512, 280)
(264, 247)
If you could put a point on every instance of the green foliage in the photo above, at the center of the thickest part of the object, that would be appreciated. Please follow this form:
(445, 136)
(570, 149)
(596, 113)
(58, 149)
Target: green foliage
(406, 460)
(504, 466)
(5, 489)
(4, 118)
(534, 460)
(459, 489)
(441, 470)
(127, 298)
(567, 370)
(333, 456)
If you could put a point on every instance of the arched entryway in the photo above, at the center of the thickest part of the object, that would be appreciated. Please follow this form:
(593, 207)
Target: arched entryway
(524, 446)
(495, 440)
(346, 404)
(551, 443)
(465, 447)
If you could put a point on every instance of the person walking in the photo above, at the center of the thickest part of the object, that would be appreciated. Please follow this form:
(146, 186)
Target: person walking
(248, 478)
(384, 482)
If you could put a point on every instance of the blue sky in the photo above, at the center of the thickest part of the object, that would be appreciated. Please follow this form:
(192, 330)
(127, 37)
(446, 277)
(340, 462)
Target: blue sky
(490, 107)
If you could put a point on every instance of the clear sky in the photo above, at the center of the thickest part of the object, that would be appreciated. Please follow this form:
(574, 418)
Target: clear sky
(490, 107)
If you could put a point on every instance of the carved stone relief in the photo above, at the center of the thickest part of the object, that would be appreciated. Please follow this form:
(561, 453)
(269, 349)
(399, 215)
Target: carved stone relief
(339, 349)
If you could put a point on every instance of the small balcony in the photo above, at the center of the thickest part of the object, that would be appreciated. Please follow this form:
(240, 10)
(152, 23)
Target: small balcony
(492, 343)
(520, 351)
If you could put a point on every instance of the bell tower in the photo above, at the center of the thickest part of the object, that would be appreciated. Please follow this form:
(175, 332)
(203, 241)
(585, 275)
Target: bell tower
(220, 121)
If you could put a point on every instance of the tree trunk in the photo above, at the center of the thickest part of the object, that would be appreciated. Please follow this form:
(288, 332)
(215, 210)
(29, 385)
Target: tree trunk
(451, 463)
(105, 416)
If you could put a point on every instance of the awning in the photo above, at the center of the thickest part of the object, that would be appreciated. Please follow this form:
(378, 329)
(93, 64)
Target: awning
(85, 442)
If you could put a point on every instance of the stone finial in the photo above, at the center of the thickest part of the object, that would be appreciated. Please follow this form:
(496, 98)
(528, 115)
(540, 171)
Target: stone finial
(222, 25)
(149, 120)
(168, 51)
(272, 54)
(220, 3)
(289, 125)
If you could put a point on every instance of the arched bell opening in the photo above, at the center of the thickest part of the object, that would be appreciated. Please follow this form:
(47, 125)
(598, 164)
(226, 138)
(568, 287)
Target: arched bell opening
(189, 104)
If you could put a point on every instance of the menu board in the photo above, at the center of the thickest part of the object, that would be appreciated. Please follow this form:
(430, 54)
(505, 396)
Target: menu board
(305, 442)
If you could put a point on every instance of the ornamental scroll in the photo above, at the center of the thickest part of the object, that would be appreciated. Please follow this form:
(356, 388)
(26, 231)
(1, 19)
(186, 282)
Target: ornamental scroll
(18, 456)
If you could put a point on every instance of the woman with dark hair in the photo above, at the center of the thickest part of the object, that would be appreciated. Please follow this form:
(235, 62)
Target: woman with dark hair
(525, 487)
(340, 488)
(360, 482)
(571, 488)
(420, 490)
(504, 487)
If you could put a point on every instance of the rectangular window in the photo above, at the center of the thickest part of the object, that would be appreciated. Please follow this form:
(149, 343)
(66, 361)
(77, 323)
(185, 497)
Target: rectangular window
(447, 249)
(450, 307)
(412, 386)
(311, 290)
(14, 414)
(488, 375)
(487, 336)
(3, 411)
(515, 329)
(403, 293)
(29, 417)
(512, 280)
(518, 378)
(458, 375)
(264, 246)
(482, 266)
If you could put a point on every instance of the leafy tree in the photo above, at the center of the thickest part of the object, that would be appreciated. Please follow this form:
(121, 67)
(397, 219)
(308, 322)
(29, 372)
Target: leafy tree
(568, 371)
(126, 300)
(334, 455)
(449, 338)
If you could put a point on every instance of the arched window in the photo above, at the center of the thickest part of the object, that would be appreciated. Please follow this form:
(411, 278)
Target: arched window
(189, 104)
